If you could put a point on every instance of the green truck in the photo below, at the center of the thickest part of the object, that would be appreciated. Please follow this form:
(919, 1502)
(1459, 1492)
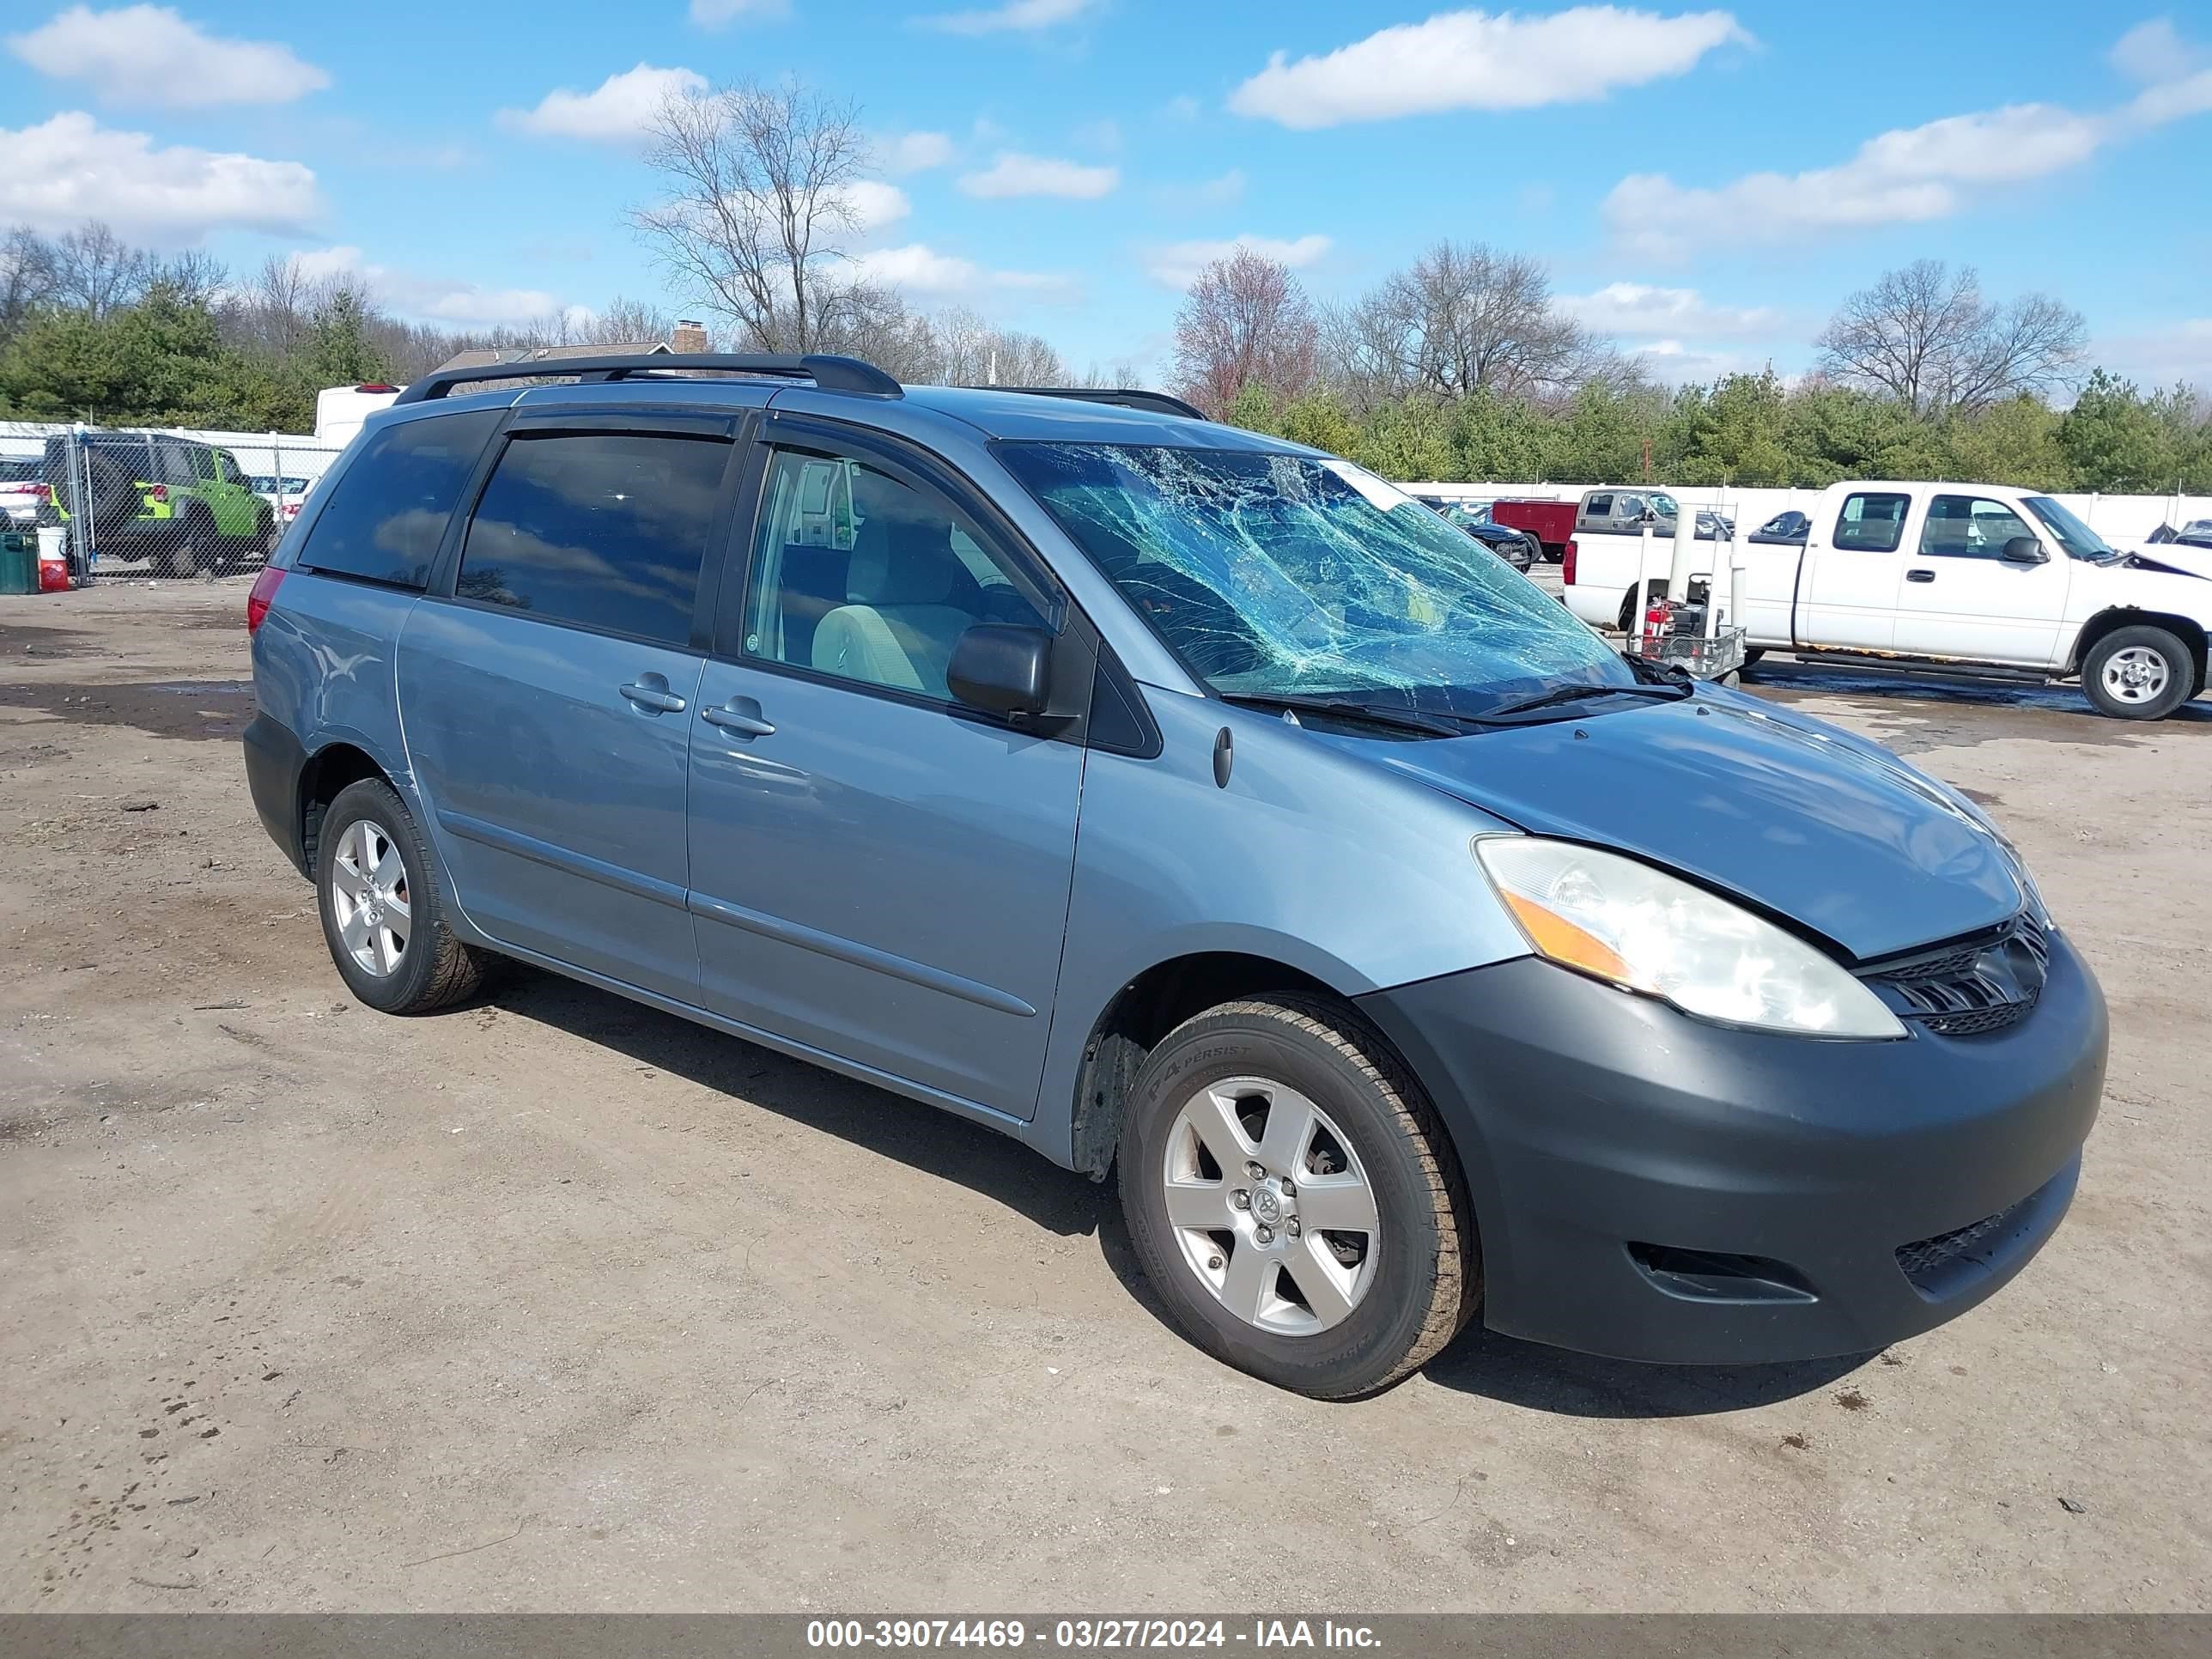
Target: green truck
(184, 506)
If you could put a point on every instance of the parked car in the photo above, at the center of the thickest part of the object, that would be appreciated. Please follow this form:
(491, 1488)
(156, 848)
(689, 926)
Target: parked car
(183, 505)
(25, 497)
(283, 492)
(2198, 532)
(1946, 579)
(1782, 530)
(1188, 805)
(1516, 547)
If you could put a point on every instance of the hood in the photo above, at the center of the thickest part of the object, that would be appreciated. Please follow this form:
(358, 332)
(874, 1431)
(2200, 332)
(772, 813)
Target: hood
(1786, 811)
(2175, 558)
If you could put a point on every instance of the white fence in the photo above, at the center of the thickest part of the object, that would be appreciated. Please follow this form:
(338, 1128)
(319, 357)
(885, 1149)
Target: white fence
(2117, 518)
(283, 454)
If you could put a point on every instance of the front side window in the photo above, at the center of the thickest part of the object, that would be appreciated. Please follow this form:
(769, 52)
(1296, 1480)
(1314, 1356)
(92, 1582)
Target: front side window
(862, 576)
(1969, 527)
(608, 529)
(1292, 575)
(1872, 522)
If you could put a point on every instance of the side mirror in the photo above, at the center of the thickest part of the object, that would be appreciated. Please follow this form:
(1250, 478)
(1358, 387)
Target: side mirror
(1002, 667)
(2023, 549)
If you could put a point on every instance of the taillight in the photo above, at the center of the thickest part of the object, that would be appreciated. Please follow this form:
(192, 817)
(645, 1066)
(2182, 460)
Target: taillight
(39, 492)
(160, 492)
(1567, 566)
(258, 600)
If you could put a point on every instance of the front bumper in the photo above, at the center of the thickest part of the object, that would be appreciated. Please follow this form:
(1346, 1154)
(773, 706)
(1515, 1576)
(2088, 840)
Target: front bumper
(1651, 1187)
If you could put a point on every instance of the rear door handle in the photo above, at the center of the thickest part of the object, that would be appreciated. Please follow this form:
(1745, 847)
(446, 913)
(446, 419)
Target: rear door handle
(740, 716)
(650, 692)
(1920, 575)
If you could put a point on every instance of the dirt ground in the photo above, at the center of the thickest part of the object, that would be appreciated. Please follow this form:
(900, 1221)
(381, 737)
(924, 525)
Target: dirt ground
(555, 1303)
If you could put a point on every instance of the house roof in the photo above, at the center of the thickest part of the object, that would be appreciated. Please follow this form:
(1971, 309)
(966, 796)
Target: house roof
(485, 356)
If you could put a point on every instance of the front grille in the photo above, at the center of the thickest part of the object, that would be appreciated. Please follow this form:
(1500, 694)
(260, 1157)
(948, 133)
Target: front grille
(1923, 1259)
(1971, 990)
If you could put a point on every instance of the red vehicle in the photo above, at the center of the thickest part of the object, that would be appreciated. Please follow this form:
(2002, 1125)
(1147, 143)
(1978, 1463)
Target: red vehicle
(1552, 523)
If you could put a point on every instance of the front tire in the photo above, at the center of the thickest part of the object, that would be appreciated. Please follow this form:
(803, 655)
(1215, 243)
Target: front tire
(382, 917)
(1293, 1199)
(2141, 673)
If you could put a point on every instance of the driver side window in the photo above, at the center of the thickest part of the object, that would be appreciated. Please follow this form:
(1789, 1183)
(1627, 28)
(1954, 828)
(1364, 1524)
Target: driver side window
(1969, 527)
(861, 575)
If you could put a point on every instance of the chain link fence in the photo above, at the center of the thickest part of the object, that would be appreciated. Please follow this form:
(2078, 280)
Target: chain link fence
(166, 504)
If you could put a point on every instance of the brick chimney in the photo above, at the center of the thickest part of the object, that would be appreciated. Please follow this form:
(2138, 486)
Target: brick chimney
(688, 336)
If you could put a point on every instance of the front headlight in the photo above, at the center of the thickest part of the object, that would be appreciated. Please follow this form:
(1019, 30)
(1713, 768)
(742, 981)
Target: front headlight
(1623, 921)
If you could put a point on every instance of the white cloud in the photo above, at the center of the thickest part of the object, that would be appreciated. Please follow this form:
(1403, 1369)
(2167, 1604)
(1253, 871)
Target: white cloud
(1637, 308)
(1178, 264)
(1181, 107)
(618, 110)
(721, 14)
(874, 204)
(436, 298)
(1014, 174)
(922, 271)
(1206, 193)
(1101, 135)
(2161, 357)
(70, 168)
(2153, 52)
(1483, 60)
(149, 55)
(1022, 16)
(917, 152)
(1671, 362)
(1909, 175)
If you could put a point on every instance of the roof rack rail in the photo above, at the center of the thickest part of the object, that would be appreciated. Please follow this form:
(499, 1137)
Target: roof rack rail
(829, 374)
(1159, 403)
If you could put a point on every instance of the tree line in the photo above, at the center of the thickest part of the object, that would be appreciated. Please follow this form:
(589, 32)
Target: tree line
(1463, 367)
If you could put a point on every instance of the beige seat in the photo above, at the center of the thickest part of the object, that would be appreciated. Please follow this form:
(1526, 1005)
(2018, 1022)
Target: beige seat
(899, 625)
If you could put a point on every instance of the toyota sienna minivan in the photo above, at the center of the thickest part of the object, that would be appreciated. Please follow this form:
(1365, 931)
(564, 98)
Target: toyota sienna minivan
(1194, 807)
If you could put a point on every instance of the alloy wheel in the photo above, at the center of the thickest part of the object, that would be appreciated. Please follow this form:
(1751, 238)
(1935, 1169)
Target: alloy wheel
(370, 897)
(1270, 1207)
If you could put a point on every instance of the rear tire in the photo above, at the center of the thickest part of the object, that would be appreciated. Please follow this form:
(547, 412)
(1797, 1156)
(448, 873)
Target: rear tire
(2141, 673)
(1333, 1311)
(382, 916)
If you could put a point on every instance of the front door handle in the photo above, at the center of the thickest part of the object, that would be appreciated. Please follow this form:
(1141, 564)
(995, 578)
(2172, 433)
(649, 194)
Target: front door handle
(650, 693)
(1920, 575)
(740, 716)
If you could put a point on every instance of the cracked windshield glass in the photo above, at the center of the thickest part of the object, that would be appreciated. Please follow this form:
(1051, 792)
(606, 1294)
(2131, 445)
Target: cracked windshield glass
(1297, 576)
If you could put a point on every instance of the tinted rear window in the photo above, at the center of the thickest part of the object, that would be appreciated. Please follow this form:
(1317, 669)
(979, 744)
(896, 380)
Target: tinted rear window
(384, 522)
(606, 529)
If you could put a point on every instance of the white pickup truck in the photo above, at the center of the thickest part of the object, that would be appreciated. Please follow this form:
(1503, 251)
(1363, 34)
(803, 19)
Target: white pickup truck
(1945, 579)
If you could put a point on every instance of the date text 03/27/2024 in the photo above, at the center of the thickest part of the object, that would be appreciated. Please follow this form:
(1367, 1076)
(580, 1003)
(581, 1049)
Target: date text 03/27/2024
(1091, 1635)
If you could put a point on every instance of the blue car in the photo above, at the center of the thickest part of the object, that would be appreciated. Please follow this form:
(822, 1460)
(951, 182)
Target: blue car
(1189, 805)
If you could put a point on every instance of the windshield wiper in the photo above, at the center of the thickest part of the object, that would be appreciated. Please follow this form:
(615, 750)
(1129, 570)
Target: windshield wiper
(1342, 708)
(1669, 691)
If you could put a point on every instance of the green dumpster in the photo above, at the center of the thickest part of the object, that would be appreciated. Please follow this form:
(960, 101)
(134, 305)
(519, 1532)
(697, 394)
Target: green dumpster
(19, 562)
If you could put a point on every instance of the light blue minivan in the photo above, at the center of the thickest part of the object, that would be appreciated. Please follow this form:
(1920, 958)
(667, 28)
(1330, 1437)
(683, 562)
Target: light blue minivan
(1189, 806)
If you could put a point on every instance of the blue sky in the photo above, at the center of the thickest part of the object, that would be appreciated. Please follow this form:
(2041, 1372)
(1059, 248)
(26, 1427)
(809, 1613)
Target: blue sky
(1705, 183)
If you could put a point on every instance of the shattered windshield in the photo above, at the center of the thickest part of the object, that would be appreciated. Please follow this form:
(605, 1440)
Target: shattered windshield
(1294, 575)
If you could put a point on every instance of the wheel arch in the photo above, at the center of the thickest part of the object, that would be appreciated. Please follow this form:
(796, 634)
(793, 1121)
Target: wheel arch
(327, 771)
(2188, 629)
(1152, 1004)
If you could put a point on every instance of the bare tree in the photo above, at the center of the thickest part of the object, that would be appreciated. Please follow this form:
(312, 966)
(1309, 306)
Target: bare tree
(1245, 321)
(29, 279)
(1464, 317)
(631, 322)
(97, 272)
(1924, 334)
(758, 189)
